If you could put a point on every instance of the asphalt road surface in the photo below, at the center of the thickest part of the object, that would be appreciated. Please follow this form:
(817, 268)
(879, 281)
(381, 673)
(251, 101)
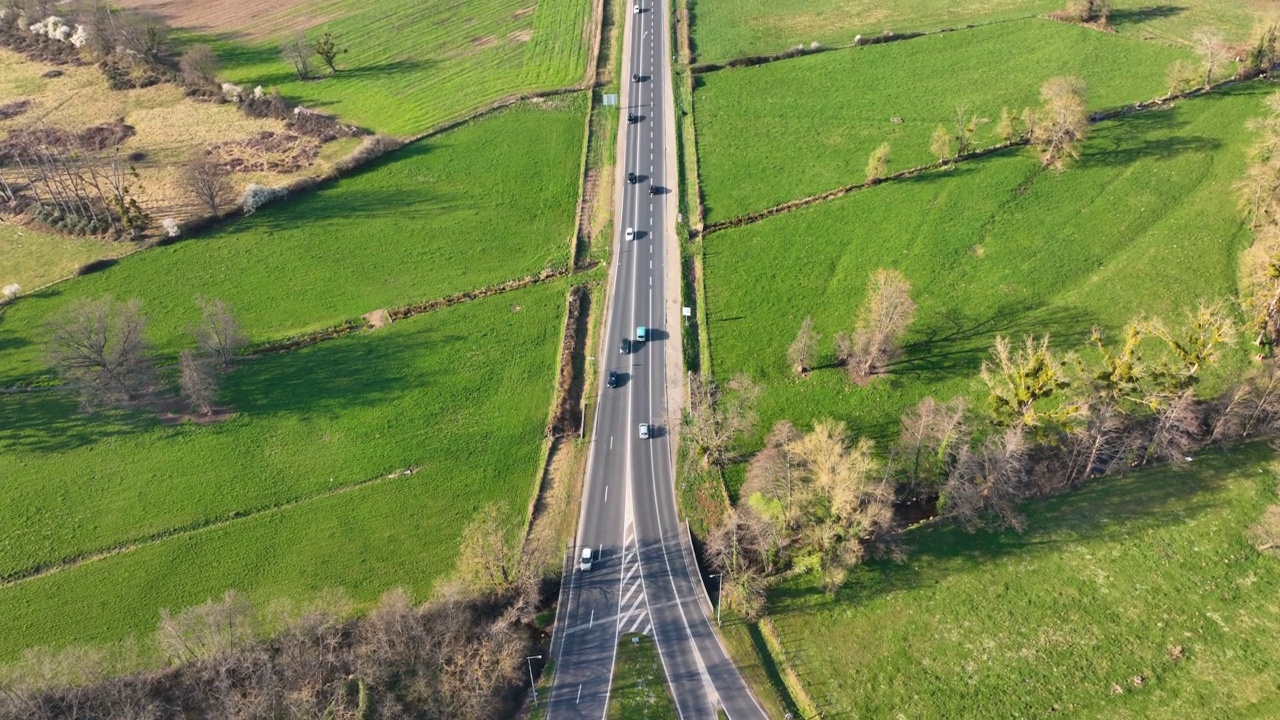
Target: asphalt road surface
(640, 579)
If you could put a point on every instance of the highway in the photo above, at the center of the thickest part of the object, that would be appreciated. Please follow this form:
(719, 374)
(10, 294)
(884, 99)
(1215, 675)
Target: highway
(641, 580)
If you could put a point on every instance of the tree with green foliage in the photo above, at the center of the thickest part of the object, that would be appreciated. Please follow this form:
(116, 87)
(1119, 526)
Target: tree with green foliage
(1017, 380)
(328, 51)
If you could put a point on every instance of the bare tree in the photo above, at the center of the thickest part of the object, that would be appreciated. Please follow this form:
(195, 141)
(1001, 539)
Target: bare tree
(1212, 50)
(1010, 126)
(297, 52)
(774, 472)
(930, 440)
(882, 324)
(941, 144)
(97, 346)
(208, 183)
(1062, 122)
(878, 163)
(328, 51)
(488, 562)
(985, 485)
(218, 333)
(742, 547)
(197, 381)
(199, 67)
(214, 628)
(1177, 428)
(800, 353)
(1265, 51)
(717, 418)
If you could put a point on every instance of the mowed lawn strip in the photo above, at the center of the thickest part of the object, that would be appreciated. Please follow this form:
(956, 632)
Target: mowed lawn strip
(461, 394)
(725, 29)
(1145, 222)
(411, 65)
(1133, 597)
(489, 202)
(822, 115)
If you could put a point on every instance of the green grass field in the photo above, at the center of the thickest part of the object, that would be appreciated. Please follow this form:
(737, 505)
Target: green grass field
(462, 394)
(639, 684)
(1146, 221)
(1135, 597)
(412, 65)
(824, 114)
(726, 29)
(489, 202)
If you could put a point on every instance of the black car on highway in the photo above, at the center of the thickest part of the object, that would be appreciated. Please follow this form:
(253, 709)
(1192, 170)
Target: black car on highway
(613, 379)
(625, 346)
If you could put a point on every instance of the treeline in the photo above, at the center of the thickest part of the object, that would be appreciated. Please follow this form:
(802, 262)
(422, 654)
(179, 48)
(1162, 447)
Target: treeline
(1052, 419)
(461, 656)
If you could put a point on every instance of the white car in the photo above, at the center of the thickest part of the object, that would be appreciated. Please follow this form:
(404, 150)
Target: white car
(644, 431)
(585, 564)
(637, 8)
(631, 234)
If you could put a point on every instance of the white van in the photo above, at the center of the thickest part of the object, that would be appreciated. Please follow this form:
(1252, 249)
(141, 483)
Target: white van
(585, 564)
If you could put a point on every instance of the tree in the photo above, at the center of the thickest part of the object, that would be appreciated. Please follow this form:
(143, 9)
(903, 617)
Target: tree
(985, 485)
(1182, 76)
(197, 381)
(208, 182)
(297, 53)
(1176, 428)
(929, 441)
(218, 334)
(1264, 54)
(1007, 128)
(742, 548)
(488, 563)
(328, 51)
(881, 325)
(774, 474)
(1083, 11)
(1060, 125)
(878, 163)
(1212, 49)
(717, 418)
(1194, 346)
(966, 127)
(800, 353)
(940, 145)
(1017, 380)
(199, 67)
(97, 347)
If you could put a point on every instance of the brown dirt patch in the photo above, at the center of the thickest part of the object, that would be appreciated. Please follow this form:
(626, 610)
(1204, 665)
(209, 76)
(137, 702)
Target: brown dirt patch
(14, 109)
(275, 152)
(249, 18)
(483, 42)
(522, 35)
(524, 12)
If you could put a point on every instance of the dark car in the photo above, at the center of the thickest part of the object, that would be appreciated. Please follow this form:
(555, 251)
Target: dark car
(653, 189)
(631, 117)
(635, 77)
(625, 346)
(613, 379)
(631, 178)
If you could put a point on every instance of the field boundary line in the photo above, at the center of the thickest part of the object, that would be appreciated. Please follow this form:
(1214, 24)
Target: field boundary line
(816, 48)
(71, 562)
(1159, 103)
(404, 312)
(790, 678)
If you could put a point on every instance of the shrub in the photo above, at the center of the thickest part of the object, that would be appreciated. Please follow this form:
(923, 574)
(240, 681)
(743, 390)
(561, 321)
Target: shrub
(255, 196)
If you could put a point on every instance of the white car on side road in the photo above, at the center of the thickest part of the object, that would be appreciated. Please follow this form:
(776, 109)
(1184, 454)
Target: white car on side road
(644, 431)
(631, 234)
(585, 563)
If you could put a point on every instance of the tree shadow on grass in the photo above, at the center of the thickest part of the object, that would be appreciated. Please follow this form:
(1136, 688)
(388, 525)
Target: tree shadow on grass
(1120, 17)
(50, 421)
(1105, 508)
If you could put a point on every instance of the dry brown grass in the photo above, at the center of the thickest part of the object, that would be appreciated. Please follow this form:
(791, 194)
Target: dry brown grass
(169, 128)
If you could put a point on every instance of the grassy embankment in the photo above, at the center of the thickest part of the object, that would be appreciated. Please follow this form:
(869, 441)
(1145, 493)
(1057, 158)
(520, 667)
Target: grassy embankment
(639, 684)
(460, 394)
(1144, 222)
(456, 213)
(411, 66)
(824, 114)
(1135, 597)
(734, 28)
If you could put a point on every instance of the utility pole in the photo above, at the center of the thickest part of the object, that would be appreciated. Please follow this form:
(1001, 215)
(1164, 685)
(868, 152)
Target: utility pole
(532, 685)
